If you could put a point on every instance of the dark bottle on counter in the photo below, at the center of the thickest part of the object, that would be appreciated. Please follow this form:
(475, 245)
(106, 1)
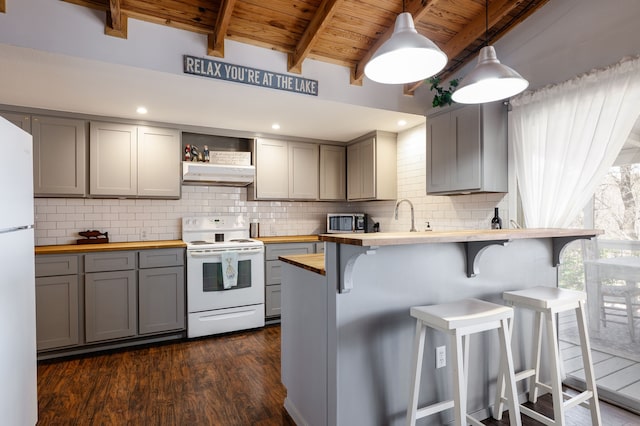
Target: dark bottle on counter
(496, 222)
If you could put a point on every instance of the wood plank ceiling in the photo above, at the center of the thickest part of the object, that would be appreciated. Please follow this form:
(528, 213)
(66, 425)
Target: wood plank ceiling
(343, 32)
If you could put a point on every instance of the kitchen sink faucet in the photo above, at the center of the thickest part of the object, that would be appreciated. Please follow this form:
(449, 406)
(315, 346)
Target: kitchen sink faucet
(413, 226)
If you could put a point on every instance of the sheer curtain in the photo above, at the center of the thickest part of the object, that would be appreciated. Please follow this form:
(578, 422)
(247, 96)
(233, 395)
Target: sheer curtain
(566, 137)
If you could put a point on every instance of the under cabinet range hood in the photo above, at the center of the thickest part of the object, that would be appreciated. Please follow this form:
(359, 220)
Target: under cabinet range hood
(217, 174)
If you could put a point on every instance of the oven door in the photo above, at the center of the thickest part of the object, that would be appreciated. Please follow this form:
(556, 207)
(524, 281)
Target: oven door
(205, 289)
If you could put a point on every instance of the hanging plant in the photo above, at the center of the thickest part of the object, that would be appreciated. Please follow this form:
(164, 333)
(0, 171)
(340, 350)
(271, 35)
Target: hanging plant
(442, 97)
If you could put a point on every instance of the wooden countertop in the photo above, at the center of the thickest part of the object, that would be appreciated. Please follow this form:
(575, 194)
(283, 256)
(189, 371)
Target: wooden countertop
(400, 238)
(84, 248)
(289, 239)
(310, 262)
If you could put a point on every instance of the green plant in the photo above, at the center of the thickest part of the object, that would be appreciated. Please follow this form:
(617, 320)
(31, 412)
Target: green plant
(442, 97)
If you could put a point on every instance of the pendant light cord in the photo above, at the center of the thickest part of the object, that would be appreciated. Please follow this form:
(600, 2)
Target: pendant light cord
(486, 22)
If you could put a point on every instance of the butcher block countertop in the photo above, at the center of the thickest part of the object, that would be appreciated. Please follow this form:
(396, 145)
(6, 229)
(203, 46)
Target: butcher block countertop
(289, 239)
(400, 238)
(310, 262)
(84, 248)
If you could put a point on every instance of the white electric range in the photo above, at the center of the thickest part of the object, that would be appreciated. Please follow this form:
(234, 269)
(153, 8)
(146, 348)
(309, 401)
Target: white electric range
(214, 304)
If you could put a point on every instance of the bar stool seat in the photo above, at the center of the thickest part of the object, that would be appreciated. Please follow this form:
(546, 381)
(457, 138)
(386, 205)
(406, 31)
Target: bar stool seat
(460, 320)
(547, 302)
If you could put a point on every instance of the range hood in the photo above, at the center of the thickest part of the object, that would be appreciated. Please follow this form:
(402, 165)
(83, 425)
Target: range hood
(217, 174)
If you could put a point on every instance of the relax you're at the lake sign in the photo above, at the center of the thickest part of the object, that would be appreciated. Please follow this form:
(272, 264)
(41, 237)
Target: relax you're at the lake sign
(240, 74)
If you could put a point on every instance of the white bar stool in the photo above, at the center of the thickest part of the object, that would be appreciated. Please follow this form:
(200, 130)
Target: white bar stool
(547, 302)
(459, 320)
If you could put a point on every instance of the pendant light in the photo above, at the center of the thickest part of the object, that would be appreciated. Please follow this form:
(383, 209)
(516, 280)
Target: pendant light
(406, 57)
(490, 80)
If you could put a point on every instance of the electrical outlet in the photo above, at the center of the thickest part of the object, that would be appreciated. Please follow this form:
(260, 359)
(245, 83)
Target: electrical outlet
(143, 234)
(441, 356)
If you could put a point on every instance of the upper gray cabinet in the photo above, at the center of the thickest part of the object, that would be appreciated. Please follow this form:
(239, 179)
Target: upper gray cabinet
(372, 167)
(467, 149)
(333, 173)
(159, 162)
(59, 156)
(286, 170)
(132, 161)
(59, 153)
(303, 171)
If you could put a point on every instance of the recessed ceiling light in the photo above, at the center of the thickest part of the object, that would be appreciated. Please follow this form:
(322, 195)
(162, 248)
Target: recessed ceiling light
(275, 126)
(402, 122)
(141, 110)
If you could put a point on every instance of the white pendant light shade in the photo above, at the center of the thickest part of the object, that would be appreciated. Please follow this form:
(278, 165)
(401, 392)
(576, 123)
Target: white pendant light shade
(406, 57)
(489, 81)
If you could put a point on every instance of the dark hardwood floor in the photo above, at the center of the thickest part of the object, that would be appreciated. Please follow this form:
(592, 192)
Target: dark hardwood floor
(227, 380)
(224, 381)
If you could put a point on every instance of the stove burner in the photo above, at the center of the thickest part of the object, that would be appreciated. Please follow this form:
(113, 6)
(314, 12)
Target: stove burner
(199, 242)
(240, 240)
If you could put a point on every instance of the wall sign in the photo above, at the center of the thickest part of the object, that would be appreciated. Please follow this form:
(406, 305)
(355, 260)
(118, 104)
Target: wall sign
(240, 74)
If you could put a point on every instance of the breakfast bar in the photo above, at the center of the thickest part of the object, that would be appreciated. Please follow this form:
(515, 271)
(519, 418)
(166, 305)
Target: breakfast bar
(346, 328)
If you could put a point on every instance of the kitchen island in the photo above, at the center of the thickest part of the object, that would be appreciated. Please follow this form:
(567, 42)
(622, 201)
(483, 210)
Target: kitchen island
(347, 335)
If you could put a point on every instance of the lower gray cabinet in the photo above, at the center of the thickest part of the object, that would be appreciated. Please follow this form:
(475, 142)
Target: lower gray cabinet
(110, 305)
(110, 296)
(57, 318)
(273, 304)
(273, 272)
(161, 304)
(88, 301)
(57, 294)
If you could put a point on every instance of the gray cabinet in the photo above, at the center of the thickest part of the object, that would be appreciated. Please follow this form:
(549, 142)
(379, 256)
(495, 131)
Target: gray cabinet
(113, 157)
(273, 272)
(333, 173)
(57, 313)
(131, 161)
(303, 171)
(59, 153)
(272, 169)
(286, 170)
(372, 167)
(467, 149)
(110, 296)
(97, 300)
(59, 156)
(161, 291)
(159, 162)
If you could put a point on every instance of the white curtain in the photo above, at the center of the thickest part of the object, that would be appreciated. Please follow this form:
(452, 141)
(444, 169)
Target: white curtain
(567, 136)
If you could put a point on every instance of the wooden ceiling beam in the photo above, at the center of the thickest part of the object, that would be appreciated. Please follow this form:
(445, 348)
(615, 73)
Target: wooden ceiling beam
(417, 8)
(215, 40)
(116, 24)
(311, 34)
(473, 31)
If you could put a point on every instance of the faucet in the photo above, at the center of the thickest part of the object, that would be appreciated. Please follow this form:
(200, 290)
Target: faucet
(413, 226)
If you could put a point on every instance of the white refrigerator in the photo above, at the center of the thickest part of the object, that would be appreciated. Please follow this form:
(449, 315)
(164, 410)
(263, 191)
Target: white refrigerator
(18, 368)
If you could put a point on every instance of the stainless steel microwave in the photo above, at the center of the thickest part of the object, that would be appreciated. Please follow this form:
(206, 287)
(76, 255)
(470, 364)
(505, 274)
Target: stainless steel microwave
(346, 222)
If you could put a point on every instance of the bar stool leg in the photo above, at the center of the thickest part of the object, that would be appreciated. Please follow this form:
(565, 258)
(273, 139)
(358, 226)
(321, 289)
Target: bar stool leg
(556, 381)
(498, 406)
(536, 353)
(590, 379)
(416, 371)
(507, 372)
(459, 386)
